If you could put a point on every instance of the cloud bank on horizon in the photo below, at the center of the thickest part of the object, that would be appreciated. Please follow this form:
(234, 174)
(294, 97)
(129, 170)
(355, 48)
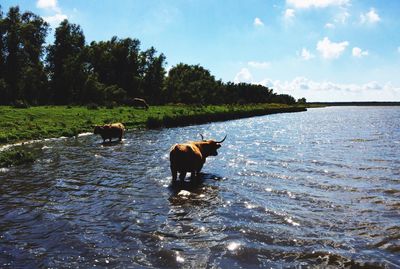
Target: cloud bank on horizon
(323, 50)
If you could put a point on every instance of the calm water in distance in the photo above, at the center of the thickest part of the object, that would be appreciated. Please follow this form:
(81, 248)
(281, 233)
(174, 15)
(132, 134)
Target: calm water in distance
(320, 187)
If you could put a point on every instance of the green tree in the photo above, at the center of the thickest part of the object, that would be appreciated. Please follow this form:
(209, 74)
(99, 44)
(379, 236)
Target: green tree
(33, 80)
(3, 86)
(21, 46)
(2, 48)
(66, 65)
(302, 101)
(99, 59)
(114, 94)
(93, 91)
(153, 73)
(126, 65)
(116, 62)
(247, 93)
(13, 59)
(284, 99)
(104, 72)
(190, 84)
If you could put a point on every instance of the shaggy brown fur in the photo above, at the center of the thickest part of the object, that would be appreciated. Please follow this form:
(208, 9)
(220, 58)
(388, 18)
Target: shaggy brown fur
(109, 131)
(191, 156)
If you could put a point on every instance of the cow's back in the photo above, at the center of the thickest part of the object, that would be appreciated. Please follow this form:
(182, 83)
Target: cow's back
(115, 130)
(185, 157)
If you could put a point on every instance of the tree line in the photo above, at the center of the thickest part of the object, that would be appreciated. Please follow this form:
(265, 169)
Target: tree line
(69, 71)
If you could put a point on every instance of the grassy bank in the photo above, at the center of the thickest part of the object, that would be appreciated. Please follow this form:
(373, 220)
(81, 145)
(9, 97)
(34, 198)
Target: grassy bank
(55, 121)
(216, 113)
(18, 125)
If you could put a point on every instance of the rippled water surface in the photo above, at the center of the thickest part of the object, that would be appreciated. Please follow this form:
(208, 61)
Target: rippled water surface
(320, 187)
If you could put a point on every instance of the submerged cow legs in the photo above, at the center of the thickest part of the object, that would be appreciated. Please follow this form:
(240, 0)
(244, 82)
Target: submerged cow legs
(182, 176)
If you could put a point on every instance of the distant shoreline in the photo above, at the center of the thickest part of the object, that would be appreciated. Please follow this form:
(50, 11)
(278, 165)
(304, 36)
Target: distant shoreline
(370, 103)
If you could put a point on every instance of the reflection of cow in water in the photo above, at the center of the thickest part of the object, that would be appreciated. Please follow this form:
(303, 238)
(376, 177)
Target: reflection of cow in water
(191, 156)
(109, 131)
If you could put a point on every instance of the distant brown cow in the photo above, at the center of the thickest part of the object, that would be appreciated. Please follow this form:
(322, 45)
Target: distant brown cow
(109, 131)
(191, 156)
(138, 102)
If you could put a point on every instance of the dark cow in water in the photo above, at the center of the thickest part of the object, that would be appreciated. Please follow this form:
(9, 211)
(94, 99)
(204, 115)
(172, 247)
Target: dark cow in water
(109, 131)
(191, 156)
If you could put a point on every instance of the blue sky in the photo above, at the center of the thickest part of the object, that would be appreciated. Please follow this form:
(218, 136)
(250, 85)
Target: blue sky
(324, 50)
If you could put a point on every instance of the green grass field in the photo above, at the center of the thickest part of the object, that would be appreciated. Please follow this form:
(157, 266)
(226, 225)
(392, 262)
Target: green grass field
(41, 122)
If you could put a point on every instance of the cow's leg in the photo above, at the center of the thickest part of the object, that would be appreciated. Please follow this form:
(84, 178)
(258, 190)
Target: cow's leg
(194, 175)
(197, 173)
(174, 174)
(182, 176)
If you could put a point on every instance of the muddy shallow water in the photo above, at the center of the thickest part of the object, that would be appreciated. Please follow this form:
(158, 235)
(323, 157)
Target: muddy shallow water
(320, 187)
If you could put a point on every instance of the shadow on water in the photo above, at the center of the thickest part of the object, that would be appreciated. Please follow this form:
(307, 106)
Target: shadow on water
(192, 184)
(111, 143)
(186, 236)
(196, 193)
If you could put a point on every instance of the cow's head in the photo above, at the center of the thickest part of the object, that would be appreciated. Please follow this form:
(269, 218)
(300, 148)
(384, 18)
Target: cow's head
(209, 147)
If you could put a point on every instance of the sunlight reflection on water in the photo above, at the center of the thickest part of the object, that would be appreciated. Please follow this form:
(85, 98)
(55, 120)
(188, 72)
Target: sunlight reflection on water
(319, 188)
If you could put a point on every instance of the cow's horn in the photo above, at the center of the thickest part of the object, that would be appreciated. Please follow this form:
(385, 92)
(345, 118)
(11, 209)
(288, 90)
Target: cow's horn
(202, 138)
(222, 139)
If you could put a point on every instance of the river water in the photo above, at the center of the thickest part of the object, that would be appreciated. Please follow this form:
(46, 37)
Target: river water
(316, 188)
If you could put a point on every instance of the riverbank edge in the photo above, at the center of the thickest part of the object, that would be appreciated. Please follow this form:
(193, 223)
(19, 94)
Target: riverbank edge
(16, 154)
(170, 122)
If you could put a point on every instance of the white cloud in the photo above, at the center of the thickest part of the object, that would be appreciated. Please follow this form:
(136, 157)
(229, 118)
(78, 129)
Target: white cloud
(306, 54)
(258, 22)
(331, 50)
(47, 4)
(243, 75)
(370, 17)
(342, 16)
(55, 19)
(259, 65)
(289, 14)
(332, 92)
(51, 5)
(329, 25)
(316, 3)
(357, 52)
